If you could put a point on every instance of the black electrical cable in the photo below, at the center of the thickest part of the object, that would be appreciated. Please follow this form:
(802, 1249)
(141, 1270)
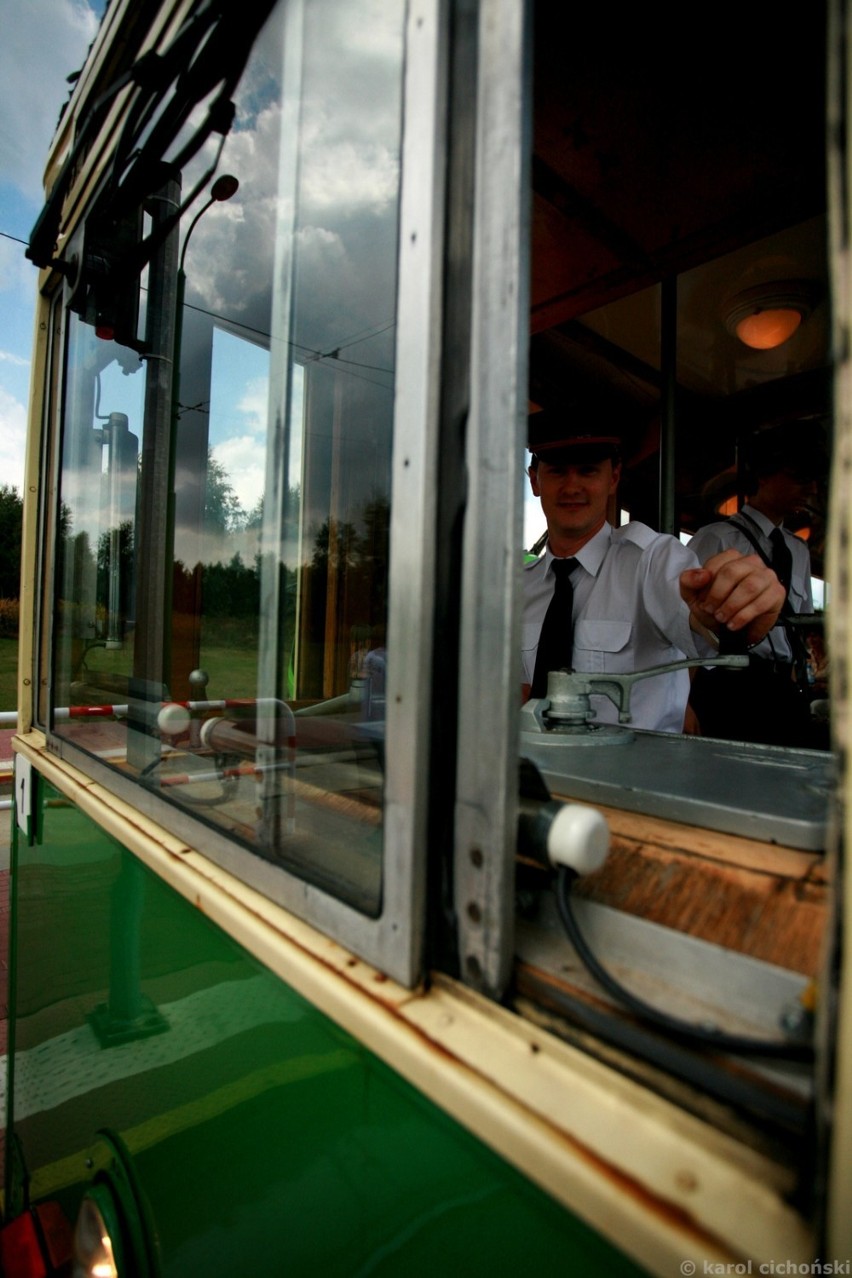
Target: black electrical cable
(708, 1037)
(679, 1059)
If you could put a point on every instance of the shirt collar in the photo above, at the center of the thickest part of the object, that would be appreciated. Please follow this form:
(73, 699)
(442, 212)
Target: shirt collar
(765, 525)
(591, 555)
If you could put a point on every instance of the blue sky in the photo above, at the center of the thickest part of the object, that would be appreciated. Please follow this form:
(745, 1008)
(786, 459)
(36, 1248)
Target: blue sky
(43, 42)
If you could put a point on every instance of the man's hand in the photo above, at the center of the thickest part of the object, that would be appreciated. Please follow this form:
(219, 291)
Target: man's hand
(733, 590)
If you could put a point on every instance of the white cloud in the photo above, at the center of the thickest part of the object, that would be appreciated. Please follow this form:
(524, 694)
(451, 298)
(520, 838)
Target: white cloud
(244, 462)
(17, 360)
(252, 405)
(222, 280)
(13, 431)
(349, 173)
(16, 273)
(18, 280)
(243, 453)
(44, 41)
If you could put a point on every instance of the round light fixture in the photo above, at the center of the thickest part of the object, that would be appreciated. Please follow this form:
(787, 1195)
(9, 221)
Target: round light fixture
(768, 315)
(224, 187)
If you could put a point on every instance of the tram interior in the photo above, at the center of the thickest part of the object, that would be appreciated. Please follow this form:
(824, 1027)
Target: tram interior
(690, 171)
(670, 187)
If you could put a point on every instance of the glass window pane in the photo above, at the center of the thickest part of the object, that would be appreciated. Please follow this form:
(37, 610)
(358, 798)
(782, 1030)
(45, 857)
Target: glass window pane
(222, 588)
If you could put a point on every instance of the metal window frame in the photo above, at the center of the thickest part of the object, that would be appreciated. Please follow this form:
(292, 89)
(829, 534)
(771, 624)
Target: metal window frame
(834, 1105)
(489, 672)
(393, 941)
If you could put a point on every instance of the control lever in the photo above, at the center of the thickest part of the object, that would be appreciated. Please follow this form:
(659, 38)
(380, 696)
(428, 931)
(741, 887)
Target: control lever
(567, 706)
(732, 642)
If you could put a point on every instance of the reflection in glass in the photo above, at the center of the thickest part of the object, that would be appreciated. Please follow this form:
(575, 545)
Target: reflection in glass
(96, 559)
(325, 550)
(259, 708)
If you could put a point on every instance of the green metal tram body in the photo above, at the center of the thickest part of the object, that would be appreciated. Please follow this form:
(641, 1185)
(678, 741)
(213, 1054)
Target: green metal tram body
(307, 1153)
(289, 990)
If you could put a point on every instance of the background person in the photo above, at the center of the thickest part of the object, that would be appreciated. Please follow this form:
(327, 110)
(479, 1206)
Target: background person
(784, 470)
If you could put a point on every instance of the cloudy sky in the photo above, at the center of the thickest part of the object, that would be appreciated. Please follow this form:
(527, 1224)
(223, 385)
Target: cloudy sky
(44, 41)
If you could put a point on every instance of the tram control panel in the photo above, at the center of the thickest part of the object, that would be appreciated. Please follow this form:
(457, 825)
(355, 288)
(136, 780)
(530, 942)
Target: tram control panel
(766, 792)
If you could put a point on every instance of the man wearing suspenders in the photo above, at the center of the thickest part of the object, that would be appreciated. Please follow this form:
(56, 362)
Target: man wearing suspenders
(771, 704)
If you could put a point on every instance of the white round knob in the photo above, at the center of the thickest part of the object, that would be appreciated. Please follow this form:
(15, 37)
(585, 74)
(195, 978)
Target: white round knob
(578, 838)
(173, 719)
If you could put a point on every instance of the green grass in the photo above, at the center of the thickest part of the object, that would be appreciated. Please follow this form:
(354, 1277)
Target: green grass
(232, 671)
(232, 668)
(8, 674)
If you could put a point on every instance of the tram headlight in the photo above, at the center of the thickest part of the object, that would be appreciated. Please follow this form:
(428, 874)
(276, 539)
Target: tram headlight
(97, 1237)
(114, 1236)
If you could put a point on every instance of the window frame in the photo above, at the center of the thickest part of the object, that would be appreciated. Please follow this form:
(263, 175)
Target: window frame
(394, 940)
(488, 707)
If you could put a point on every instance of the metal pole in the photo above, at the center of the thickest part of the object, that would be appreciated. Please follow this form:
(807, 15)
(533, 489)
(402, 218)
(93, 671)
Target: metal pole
(668, 407)
(154, 547)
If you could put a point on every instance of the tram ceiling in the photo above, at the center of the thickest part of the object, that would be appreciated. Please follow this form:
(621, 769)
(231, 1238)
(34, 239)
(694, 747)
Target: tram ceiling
(652, 162)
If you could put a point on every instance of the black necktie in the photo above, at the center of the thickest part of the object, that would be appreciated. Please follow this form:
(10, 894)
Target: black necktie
(782, 558)
(556, 641)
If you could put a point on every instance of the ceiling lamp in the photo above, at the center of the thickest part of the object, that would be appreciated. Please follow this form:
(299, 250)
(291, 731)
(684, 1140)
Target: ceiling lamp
(768, 315)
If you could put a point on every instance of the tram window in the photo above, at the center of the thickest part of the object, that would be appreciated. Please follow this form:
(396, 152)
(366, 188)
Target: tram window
(650, 227)
(222, 590)
(649, 245)
(657, 202)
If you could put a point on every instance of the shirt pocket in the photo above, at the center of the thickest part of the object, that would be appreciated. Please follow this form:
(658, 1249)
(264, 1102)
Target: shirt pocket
(603, 646)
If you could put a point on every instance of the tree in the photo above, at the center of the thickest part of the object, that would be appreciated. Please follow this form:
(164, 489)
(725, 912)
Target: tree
(11, 525)
(118, 542)
(222, 510)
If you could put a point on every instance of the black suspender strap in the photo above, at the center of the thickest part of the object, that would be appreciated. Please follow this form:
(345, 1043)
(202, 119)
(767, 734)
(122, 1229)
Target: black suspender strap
(797, 643)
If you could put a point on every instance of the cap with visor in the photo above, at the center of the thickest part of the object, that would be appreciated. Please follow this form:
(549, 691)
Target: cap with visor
(552, 438)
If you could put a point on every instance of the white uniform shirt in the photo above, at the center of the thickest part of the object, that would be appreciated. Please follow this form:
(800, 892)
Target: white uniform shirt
(725, 534)
(628, 616)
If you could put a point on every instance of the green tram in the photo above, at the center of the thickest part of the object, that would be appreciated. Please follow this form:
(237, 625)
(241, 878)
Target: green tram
(301, 978)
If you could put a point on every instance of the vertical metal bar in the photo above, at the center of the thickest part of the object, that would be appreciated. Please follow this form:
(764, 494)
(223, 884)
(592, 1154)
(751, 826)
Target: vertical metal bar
(834, 1026)
(336, 580)
(452, 479)
(668, 405)
(489, 664)
(153, 545)
(395, 941)
(271, 675)
(121, 484)
(410, 693)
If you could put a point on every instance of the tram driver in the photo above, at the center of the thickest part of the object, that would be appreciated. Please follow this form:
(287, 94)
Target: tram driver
(605, 599)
